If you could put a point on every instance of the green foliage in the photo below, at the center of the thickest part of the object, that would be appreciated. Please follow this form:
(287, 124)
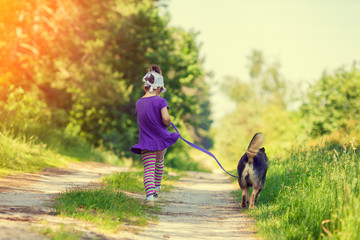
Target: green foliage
(261, 106)
(333, 104)
(80, 63)
(256, 60)
(22, 110)
(17, 50)
(268, 84)
(182, 160)
(312, 193)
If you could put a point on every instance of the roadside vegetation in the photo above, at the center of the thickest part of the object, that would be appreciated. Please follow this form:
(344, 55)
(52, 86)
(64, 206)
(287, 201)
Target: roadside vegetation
(312, 193)
(29, 154)
(312, 189)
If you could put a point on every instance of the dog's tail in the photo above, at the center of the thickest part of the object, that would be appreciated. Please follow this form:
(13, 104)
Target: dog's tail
(256, 142)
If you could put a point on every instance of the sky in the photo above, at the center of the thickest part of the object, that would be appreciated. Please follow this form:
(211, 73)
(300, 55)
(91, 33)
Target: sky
(305, 37)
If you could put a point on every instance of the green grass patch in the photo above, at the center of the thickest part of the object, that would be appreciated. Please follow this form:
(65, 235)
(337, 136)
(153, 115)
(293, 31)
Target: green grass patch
(133, 181)
(126, 181)
(312, 194)
(63, 233)
(107, 206)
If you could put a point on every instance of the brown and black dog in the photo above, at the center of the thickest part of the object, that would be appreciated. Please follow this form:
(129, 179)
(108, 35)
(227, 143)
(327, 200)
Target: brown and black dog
(252, 170)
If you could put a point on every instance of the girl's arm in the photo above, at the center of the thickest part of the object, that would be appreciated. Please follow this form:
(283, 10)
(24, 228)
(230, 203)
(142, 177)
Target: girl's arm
(165, 117)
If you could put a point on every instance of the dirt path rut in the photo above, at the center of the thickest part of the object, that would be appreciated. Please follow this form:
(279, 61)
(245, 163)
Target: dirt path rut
(200, 207)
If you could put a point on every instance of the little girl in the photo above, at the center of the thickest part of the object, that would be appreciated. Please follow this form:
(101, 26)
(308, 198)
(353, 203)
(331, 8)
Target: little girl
(154, 138)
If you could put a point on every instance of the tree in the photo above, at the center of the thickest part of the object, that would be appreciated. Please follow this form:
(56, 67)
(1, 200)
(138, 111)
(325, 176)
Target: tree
(260, 108)
(85, 61)
(256, 60)
(333, 103)
(267, 81)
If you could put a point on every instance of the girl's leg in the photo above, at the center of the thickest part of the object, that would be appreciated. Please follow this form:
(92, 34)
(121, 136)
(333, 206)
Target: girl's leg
(149, 159)
(159, 167)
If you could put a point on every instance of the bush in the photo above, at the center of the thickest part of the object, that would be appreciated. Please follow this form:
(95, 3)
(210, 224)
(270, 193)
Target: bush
(23, 110)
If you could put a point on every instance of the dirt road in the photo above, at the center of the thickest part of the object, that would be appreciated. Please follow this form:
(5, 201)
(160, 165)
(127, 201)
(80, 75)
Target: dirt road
(201, 206)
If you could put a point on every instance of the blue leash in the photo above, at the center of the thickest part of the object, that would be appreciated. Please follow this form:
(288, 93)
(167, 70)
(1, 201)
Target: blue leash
(202, 149)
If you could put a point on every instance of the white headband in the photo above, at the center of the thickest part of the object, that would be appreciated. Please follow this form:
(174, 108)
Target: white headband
(158, 81)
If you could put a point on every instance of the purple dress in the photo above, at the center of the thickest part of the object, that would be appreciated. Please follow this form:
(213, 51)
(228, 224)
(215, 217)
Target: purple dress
(153, 134)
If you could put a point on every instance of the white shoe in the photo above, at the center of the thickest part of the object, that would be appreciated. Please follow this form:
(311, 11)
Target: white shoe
(150, 200)
(157, 194)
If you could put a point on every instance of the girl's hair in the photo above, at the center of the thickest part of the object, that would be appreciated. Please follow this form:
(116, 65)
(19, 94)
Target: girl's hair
(155, 68)
(151, 79)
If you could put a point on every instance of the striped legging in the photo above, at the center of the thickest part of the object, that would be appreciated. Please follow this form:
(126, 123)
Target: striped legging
(153, 163)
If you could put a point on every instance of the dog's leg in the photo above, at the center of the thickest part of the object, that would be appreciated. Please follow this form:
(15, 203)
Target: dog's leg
(252, 200)
(254, 195)
(245, 197)
(258, 193)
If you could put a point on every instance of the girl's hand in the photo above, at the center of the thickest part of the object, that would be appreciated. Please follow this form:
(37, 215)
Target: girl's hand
(165, 117)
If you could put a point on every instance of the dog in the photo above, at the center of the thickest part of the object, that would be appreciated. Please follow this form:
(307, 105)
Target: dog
(252, 170)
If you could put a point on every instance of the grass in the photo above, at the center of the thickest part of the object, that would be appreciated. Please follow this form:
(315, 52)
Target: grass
(133, 182)
(63, 233)
(108, 206)
(23, 155)
(28, 154)
(312, 194)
